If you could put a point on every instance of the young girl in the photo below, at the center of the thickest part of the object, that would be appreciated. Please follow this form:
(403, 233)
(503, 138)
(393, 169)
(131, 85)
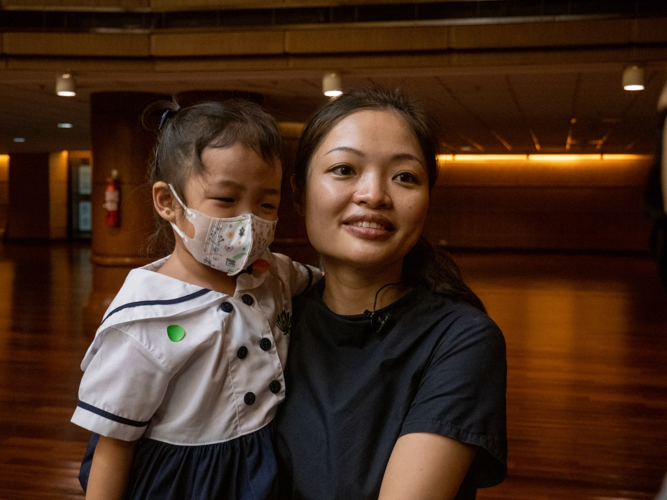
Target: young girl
(186, 369)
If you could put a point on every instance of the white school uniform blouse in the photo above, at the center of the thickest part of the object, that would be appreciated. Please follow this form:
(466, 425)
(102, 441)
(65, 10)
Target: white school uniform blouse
(222, 380)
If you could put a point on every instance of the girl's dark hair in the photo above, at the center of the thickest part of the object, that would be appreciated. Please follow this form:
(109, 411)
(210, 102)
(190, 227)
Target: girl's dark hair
(423, 265)
(184, 133)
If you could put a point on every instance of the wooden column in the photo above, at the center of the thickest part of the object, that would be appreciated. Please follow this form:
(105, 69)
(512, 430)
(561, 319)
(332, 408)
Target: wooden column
(121, 143)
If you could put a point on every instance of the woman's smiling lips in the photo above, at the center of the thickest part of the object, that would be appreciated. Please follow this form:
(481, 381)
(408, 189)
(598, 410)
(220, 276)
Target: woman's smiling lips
(369, 227)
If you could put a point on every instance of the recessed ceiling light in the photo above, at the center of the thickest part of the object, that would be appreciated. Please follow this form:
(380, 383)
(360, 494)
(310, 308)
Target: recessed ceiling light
(65, 125)
(19, 139)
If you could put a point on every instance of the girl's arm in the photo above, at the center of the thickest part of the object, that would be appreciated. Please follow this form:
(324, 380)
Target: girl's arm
(426, 466)
(110, 469)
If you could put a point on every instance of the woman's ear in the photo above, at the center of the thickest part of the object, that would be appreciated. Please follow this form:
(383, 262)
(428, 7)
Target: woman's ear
(297, 196)
(164, 201)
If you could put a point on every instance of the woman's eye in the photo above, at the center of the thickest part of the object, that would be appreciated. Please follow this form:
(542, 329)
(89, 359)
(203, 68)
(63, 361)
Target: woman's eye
(342, 170)
(226, 200)
(269, 206)
(407, 177)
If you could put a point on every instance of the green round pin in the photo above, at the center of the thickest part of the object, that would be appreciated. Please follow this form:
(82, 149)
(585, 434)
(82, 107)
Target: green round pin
(176, 333)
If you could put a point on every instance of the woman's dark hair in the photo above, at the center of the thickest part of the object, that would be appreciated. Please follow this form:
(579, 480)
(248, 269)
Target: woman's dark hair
(423, 265)
(184, 133)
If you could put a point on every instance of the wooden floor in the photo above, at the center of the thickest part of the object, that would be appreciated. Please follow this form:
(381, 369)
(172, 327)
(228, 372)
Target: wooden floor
(587, 384)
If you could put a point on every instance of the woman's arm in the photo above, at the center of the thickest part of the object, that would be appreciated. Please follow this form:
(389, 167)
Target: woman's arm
(110, 470)
(426, 466)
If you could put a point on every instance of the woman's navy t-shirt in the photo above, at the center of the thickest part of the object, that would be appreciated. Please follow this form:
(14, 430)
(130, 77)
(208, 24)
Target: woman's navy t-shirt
(436, 366)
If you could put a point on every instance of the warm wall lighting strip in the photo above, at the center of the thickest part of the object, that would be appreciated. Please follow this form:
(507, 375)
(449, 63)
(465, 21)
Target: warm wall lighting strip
(541, 157)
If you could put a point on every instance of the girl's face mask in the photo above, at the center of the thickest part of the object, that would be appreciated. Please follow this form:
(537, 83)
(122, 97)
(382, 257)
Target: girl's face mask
(229, 245)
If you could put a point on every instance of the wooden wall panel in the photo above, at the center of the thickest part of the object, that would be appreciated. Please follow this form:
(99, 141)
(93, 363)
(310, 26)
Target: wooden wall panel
(219, 43)
(382, 45)
(75, 4)
(650, 30)
(543, 34)
(172, 5)
(352, 40)
(592, 206)
(75, 44)
(58, 175)
(539, 218)
(28, 213)
(4, 192)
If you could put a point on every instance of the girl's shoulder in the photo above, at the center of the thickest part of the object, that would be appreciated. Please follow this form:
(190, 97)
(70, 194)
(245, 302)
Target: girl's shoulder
(160, 313)
(298, 277)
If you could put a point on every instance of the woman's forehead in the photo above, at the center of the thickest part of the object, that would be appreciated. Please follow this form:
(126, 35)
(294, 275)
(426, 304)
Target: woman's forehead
(371, 131)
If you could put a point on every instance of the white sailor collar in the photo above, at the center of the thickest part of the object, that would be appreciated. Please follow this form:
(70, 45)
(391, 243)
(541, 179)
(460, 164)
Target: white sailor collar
(147, 294)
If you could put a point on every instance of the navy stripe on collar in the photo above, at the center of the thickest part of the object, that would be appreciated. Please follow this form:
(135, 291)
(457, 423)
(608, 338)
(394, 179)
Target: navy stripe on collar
(178, 300)
(111, 416)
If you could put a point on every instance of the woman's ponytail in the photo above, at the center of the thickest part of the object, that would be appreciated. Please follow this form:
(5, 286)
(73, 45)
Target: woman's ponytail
(436, 270)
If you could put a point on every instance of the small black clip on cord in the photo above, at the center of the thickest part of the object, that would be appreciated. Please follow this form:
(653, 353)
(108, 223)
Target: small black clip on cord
(378, 322)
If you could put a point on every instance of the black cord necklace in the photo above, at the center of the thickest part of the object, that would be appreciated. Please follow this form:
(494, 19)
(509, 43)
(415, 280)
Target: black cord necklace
(378, 322)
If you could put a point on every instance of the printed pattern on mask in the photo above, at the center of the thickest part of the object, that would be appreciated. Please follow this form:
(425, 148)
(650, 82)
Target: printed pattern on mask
(231, 246)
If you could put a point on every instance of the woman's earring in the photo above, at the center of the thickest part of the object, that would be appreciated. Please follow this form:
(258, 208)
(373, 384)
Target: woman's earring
(167, 211)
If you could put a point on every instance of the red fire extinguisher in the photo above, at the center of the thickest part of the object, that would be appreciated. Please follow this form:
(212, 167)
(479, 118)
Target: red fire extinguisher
(112, 199)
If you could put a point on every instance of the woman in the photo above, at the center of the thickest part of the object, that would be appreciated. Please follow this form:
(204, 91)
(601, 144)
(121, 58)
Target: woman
(396, 376)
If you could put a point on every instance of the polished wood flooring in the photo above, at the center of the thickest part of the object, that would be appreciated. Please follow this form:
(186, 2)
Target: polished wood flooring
(587, 384)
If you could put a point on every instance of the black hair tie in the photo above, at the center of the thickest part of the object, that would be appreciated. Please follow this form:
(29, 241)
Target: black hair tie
(166, 116)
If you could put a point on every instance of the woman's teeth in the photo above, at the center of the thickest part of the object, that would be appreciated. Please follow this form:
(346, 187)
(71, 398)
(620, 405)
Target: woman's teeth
(372, 225)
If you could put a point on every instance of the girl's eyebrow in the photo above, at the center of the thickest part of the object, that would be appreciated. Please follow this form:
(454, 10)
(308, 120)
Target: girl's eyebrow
(399, 156)
(229, 183)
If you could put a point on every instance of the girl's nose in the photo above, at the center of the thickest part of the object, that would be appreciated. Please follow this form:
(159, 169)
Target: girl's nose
(372, 191)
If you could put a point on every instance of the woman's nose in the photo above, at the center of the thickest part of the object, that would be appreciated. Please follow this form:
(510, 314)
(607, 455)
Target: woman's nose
(371, 190)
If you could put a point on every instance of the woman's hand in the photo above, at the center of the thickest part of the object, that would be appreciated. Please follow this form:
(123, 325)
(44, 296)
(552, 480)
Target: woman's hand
(110, 469)
(426, 466)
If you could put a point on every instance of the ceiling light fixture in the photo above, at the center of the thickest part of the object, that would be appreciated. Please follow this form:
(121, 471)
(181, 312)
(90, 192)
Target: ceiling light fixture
(65, 125)
(332, 84)
(65, 85)
(19, 139)
(633, 78)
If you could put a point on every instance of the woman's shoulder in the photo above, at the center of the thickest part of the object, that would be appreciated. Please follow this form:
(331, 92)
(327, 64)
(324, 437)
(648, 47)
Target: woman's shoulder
(447, 318)
(429, 304)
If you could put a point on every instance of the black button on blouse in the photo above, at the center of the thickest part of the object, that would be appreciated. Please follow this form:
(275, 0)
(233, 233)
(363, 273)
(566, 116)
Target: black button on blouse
(249, 398)
(247, 299)
(274, 387)
(265, 344)
(227, 307)
(242, 352)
